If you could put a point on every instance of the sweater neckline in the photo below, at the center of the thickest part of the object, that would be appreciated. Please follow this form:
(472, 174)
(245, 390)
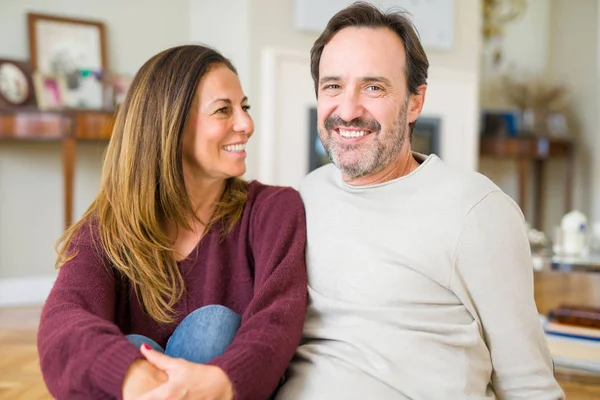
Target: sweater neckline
(423, 159)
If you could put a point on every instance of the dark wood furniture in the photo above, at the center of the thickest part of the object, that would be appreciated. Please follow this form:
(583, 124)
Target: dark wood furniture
(65, 126)
(533, 150)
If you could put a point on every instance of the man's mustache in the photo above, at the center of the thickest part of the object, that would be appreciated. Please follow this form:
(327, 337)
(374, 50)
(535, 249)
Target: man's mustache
(334, 121)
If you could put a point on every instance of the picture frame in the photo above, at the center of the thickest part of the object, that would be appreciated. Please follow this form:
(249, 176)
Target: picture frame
(16, 84)
(72, 48)
(50, 91)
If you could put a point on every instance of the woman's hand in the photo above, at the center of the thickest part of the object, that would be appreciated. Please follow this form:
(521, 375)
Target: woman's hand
(187, 380)
(141, 378)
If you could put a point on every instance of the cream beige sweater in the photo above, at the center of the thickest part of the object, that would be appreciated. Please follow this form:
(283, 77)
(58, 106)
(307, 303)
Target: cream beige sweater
(420, 288)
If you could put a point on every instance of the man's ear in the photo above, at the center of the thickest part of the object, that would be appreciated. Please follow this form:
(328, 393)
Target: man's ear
(415, 103)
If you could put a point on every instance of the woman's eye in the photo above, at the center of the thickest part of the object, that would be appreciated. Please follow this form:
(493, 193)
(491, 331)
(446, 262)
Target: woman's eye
(223, 110)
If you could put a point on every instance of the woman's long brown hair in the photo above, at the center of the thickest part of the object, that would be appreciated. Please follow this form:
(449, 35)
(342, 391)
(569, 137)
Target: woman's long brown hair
(142, 180)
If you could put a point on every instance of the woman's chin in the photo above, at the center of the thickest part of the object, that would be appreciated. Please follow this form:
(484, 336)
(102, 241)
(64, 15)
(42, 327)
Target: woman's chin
(235, 172)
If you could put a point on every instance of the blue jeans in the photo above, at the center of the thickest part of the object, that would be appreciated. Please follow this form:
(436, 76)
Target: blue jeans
(203, 335)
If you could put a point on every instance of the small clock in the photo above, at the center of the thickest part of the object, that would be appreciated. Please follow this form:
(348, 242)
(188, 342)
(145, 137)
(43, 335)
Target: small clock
(16, 86)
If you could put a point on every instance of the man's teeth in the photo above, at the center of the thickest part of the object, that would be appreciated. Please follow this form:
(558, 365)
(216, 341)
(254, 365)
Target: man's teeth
(352, 134)
(236, 147)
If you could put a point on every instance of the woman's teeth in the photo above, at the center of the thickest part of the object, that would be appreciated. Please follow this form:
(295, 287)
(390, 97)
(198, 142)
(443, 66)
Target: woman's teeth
(352, 134)
(235, 147)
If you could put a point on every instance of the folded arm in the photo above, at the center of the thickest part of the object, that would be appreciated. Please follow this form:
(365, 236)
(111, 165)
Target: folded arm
(83, 354)
(272, 324)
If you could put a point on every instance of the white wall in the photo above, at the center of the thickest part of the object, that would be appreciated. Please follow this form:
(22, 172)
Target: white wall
(459, 99)
(525, 49)
(31, 200)
(230, 34)
(574, 60)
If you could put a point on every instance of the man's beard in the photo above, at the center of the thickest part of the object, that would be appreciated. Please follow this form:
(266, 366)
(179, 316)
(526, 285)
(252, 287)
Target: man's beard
(358, 159)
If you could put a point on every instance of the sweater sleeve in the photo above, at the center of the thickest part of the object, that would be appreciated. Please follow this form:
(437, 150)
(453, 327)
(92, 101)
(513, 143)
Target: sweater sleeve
(272, 324)
(83, 354)
(493, 261)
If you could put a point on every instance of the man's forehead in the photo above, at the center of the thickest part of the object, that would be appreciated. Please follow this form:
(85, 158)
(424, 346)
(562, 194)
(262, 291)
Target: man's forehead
(363, 52)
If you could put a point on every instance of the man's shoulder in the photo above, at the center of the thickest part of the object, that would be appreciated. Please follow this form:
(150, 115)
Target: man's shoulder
(461, 184)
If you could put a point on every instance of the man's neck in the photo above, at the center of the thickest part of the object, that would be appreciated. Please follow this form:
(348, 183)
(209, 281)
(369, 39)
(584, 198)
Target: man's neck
(402, 165)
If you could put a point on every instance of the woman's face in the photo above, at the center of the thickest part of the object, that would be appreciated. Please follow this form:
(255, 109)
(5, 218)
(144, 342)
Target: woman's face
(218, 128)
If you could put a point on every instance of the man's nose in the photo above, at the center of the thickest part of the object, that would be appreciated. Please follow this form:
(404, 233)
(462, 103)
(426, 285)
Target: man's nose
(349, 107)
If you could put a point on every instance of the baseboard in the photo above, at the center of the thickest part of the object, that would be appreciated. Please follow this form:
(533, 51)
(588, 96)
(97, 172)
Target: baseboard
(17, 292)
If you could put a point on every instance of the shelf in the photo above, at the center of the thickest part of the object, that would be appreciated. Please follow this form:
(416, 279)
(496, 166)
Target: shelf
(531, 147)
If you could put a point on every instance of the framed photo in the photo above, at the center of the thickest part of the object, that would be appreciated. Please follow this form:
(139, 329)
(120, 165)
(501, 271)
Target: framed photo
(74, 49)
(50, 91)
(16, 84)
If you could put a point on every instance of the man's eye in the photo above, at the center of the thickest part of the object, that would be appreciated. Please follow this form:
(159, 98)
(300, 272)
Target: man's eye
(374, 88)
(246, 108)
(332, 86)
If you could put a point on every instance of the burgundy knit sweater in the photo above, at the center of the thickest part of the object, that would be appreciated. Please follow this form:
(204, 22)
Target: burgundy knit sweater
(258, 271)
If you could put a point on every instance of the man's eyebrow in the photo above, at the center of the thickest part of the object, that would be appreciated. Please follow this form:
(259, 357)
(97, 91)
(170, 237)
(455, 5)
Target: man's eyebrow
(376, 79)
(365, 79)
(326, 79)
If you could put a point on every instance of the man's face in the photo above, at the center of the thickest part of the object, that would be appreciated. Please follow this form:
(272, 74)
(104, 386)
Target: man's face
(363, 103)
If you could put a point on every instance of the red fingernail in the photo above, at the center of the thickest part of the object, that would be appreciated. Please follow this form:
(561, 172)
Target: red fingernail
(145, 346)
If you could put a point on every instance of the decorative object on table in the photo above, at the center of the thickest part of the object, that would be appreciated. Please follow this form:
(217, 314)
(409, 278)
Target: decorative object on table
(544, 107)
(50, 91)
(498, 13)
(500, 123)
(120, 85)
(89, 93)
(537, 240)
(73, 48)
(571, 238)
(16, 84)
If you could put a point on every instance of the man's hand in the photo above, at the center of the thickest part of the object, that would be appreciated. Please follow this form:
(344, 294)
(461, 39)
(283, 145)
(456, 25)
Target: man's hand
(141, 378)
(186, 380)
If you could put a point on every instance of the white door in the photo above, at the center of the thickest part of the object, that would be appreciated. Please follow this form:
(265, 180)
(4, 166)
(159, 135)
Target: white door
(287, 96)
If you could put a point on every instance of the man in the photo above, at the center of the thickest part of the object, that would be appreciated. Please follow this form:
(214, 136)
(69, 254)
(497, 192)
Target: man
(420, 277)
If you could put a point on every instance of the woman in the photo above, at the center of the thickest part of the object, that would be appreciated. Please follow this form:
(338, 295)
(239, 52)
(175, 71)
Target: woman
(178, 252)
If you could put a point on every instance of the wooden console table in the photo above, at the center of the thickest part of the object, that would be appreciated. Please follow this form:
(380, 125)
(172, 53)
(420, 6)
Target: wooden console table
(527, 149)
(65, 126)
